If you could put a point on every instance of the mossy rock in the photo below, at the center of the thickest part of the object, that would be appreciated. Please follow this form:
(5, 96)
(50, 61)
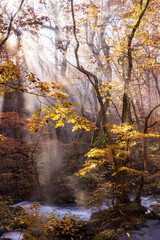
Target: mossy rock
(129, 209)
(128, 216)
(1, 231)
(106, 235)
(156, 208)
(150, 216)
(113, 223)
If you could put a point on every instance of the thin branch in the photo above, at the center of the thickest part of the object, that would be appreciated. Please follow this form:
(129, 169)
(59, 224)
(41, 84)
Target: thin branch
(145, 139)
(153, 124)
(8, 33)
(116, 108)
(75, 35)
(81, 69)
(130, 39)
(141, 2)
(147, 118)
(19, 8)
(10, 24)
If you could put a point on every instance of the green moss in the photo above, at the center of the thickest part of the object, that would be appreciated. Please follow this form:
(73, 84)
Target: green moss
(156, 208)
(106, 235)
(126, 216)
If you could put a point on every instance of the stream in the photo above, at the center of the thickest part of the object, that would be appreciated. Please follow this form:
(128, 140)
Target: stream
(152, 232)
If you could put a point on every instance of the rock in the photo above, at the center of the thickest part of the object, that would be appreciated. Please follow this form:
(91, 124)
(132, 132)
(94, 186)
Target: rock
(156, 208)
(126, 216)
(129, 209)
(106, 235)
(1, 231)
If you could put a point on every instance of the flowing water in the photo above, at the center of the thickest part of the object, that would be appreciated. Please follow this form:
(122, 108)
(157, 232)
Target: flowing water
(44, 210)
(152, 232)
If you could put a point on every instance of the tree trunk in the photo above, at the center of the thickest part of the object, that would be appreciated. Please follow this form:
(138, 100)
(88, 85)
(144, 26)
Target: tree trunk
(100, 120)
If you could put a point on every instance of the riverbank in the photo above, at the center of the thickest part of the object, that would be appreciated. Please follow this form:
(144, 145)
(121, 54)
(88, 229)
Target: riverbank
(114, 222)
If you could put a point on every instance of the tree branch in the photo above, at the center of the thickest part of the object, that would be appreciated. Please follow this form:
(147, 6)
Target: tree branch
(116, 109)
(147, 118)
(75, 34)
(10, 24)
(156, 81)
(130, 39)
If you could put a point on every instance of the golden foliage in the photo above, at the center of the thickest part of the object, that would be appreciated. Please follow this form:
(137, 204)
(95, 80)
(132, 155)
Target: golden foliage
(126, 136)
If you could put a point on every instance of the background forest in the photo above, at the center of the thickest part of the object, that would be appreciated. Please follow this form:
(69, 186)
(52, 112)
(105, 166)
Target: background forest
(80, 100)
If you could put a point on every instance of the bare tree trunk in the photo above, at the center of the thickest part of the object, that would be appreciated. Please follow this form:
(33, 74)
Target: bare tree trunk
(156, 82)
(99, 121)
(136, 116)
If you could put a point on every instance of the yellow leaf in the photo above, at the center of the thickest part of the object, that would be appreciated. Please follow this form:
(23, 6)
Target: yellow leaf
(128, 235)
(125, 169)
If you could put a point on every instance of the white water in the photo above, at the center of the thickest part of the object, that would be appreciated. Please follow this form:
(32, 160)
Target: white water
(60, 211)
(150, 201)
(13, 235)
(44, 210)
